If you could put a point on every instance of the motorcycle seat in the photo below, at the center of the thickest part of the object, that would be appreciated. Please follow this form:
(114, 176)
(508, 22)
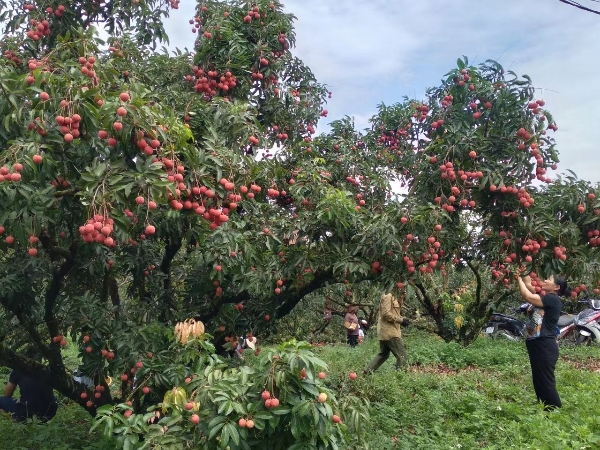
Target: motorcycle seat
(565, 320)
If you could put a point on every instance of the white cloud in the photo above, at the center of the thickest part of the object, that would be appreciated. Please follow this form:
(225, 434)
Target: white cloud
(380, 50)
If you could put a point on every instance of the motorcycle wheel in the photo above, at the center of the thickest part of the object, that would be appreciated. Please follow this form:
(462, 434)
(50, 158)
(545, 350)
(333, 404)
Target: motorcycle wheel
(584, 340)
(571, 338)
(503, 334)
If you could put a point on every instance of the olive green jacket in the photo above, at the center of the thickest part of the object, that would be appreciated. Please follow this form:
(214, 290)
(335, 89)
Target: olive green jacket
(388, 324)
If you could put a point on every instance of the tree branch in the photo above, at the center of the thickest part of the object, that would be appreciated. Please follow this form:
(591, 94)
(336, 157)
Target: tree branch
(53, 290)
(53, 251)
(173, 245)
(429, 306)
(72, 191)
(28, 326)
(291, 299)
(105, 286)
(113, 289)
(478, 278)
(59, 378)
(503, 296)
(30, 367)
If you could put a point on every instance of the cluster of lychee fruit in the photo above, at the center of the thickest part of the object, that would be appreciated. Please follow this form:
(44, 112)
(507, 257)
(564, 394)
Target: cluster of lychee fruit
(7, 175)
(98, 229)
(211, 82)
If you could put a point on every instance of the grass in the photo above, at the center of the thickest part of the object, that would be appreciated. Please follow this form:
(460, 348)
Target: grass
(69, 430)
(480, 397)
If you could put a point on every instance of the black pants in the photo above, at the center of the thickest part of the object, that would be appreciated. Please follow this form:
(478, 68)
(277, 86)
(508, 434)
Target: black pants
(352, 339)
(543, 354)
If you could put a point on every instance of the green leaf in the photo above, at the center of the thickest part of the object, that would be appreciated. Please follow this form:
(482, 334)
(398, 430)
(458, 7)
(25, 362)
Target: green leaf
(225, 434)
(217, 420)
(214, 430)
(234, 434)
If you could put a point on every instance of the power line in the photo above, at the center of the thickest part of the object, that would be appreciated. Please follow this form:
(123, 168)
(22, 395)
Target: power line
(580, 6)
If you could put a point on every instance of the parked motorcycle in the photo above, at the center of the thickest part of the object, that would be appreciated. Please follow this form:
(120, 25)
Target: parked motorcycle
(506, 326)
(583, 327)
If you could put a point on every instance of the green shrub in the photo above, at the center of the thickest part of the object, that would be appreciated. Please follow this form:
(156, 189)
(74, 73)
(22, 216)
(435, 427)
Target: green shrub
(220, 406)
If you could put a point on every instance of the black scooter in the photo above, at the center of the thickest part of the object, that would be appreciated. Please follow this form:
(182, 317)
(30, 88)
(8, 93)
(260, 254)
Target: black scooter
(505, 326)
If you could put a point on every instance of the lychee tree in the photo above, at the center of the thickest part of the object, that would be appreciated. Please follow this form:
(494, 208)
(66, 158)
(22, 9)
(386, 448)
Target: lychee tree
(474, 159)
(116, 161)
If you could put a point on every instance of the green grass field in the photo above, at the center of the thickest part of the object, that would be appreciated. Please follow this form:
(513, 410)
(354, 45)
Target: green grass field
(480, 397)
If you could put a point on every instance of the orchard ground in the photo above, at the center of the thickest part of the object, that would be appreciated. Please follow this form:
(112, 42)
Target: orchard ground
(479, 397)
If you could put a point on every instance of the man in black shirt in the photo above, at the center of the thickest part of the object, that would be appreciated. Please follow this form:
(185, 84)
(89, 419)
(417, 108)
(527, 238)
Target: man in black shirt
(36, 399)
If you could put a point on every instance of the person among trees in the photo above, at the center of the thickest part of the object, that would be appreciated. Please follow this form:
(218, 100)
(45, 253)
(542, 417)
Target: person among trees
(362, 330)
(351, 325)
(37, 399)
(388, 332)
(250, 342)
(541, 335)
(364, 325)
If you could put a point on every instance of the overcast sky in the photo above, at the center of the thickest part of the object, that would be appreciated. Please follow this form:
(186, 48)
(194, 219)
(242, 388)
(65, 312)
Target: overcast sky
(375, 51)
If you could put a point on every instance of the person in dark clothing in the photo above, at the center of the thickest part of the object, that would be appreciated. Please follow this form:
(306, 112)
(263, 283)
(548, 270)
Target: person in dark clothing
(36, 399)
(541, 335)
